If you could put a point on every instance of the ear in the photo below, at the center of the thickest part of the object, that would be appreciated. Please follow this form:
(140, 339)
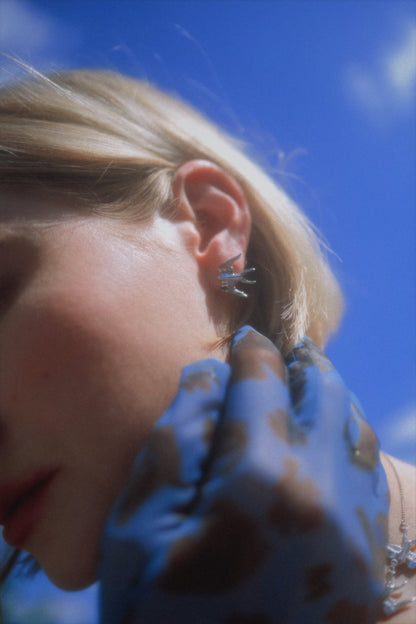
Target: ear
(209, 197)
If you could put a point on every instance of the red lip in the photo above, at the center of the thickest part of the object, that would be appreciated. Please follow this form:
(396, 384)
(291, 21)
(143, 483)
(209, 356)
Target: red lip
(21, 505)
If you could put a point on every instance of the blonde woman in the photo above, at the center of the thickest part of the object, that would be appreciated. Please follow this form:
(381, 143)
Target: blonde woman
(165, 425)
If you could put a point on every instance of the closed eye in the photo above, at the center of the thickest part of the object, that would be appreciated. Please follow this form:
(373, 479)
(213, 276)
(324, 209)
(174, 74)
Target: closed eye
(19, 258)
(9, 286)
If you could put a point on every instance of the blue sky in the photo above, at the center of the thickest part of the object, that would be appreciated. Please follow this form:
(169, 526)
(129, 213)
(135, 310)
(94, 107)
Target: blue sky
(325, 91)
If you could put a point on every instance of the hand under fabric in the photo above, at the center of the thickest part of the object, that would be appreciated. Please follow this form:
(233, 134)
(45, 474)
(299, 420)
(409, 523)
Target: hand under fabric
(258, 498)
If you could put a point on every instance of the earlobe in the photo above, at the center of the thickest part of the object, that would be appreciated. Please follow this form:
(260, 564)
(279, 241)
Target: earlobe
(212, 199)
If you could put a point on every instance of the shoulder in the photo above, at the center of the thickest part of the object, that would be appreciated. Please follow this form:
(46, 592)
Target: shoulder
(401, 479)
(406, 476)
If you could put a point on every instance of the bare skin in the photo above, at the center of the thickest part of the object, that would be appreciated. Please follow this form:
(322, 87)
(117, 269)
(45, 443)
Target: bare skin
(72, 337)
(407, 475)
(97, 319)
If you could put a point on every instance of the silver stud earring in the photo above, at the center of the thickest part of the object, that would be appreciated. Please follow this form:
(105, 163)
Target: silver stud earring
(229, 279)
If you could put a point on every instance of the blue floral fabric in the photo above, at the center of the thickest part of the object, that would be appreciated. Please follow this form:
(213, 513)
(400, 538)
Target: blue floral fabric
(258, 498)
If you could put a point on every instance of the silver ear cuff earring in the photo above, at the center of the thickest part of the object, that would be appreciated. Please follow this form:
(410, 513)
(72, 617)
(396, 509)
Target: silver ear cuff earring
(229, 279)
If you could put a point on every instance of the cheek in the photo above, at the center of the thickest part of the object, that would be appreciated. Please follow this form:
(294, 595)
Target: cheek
(82, 375)
(58, 370)
(45, 351)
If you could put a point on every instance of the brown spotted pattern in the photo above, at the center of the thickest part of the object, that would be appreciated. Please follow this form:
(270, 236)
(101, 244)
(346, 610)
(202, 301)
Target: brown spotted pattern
(131, 617)
(317, 582)
(229, 548)
(300, 359)
(278, 421)
(360, 563)
(200, 380)
(209, 427)
(257, 618)
(284, 429)
(153, 473)
(233, 441)
(308, 354)
(252, 354)
(297, 508)
(377, 550)
(346, 612)
(225, 551)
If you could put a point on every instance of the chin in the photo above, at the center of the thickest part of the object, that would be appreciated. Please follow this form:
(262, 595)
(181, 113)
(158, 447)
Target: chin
(73, 577)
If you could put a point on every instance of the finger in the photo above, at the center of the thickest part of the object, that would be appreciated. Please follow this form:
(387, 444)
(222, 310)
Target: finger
(255, 423)
(341, 452)
(171, 464)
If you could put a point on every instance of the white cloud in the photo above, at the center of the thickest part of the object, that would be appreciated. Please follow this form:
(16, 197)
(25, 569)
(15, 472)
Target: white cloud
(398, 434)
(364, 88)
(29, 34)
(22, 28)
(401, 66)
(386, 85)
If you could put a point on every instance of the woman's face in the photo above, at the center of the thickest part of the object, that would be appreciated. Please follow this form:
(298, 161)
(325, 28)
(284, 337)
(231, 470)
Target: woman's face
(97, 318)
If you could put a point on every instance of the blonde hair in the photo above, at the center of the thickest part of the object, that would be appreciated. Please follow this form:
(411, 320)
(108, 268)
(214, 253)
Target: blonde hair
(114, 144)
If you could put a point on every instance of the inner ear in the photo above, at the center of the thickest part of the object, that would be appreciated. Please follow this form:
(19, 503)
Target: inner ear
(214, 210)
(215, 202)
